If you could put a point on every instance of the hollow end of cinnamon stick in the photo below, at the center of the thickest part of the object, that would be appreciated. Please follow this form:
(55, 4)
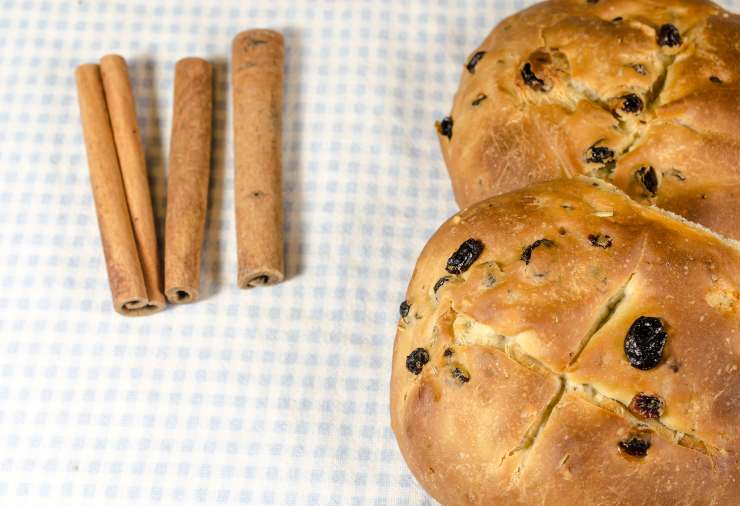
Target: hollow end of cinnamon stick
(259, 277)
(138, 306)
(181, 294)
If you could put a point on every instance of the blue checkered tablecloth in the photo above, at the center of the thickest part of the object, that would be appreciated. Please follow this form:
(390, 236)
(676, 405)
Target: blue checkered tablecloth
(270, 396)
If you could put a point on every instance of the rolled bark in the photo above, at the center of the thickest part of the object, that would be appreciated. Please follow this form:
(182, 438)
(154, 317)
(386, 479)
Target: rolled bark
(121, 107)
(257, 82)
(125, 275)
(187, 180)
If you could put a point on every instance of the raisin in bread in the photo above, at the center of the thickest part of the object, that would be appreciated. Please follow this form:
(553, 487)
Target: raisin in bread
(562, 344)
(645, 94)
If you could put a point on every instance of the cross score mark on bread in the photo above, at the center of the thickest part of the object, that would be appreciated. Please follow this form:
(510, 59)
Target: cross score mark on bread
(557, 370)
(644, 95)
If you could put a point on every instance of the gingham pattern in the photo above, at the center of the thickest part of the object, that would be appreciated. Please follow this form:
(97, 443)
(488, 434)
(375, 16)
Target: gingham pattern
(272, 396)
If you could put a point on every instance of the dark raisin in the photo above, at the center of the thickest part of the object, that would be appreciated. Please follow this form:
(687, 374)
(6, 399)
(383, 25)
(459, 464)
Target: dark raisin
(648, 179)
(527, 253)
(532, 80)
(632, 103)
(647, 406)
(416, 360)
(639, 68)
(600, 240)
(445, 127)
(644, 342)
(441, 282)
(592, 1)
(599, 154)
(460, 375)
(463, 258)
(635, 445)
(617, 19)
(474, 61)
(448, 353)
(404, 308)
(562, 231)
(480, 98)
(715, 80)
(668, 35)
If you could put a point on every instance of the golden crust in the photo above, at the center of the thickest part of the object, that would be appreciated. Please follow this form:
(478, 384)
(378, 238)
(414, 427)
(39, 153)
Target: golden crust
(587, 56)
(539, 320)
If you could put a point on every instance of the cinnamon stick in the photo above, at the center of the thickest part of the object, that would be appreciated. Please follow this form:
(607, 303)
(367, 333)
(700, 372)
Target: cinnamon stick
(125, 275)
(187, 186)
(120, 101)
(257, 81)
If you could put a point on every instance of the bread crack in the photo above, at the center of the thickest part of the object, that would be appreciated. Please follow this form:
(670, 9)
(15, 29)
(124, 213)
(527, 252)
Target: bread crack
(584, 92)
(631, 128)
(606, 314)
(655, 91)
(593, 396)
(657, 87)
(611, 307)
(534, 430)
(466, 331)
(636, 136)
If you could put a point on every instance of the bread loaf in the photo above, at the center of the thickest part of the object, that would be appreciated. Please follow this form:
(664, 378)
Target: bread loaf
(562, 344)
(643, 94)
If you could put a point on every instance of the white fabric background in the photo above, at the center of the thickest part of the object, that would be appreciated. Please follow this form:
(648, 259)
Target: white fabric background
(271, 396)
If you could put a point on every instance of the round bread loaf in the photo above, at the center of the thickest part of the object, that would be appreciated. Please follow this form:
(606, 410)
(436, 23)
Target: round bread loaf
(645, 94)
(562, 344)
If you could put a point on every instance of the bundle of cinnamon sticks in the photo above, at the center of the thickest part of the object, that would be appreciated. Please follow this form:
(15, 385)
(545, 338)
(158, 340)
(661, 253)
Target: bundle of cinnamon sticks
(120, 185)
